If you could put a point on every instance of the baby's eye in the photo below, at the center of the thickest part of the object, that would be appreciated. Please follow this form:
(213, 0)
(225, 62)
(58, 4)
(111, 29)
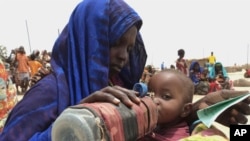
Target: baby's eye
(166, 96)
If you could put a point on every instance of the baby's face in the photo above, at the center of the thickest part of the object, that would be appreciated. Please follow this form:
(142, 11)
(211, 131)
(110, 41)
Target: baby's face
(168, 90)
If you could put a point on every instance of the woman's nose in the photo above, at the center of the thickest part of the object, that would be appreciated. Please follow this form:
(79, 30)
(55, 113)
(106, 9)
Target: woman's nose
(123, 53)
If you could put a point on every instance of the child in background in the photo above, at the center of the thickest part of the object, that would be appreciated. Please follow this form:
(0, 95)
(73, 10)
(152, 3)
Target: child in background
(181, 64)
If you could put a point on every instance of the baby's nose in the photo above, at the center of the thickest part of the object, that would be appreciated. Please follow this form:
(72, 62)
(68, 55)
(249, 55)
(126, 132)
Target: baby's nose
(156, 100)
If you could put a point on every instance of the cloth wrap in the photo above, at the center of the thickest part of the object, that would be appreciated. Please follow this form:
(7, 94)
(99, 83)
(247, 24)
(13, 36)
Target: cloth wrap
(105, 121)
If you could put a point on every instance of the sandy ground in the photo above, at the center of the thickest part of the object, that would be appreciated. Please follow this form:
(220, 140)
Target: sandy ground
(233, 76)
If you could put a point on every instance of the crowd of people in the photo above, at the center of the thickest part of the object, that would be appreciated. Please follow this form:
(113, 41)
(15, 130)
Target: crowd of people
(98, 57)
(210, 76)
(23, 67)
(19, 72)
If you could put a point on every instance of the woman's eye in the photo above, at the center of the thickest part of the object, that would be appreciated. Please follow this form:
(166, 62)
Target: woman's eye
(129, 48)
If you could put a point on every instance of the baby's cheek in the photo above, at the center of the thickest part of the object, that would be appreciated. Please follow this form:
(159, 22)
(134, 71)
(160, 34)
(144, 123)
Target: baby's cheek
(168, 112)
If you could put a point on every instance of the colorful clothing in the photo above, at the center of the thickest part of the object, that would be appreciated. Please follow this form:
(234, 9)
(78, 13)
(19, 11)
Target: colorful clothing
(219, 78)
(202, 133)
(211, 60)
(199, 78)
(23, 65)
(8, 97)
(80, 63)
(34, 67)
(181, 66)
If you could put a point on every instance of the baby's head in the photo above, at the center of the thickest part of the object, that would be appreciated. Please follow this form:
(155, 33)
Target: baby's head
(173, 95)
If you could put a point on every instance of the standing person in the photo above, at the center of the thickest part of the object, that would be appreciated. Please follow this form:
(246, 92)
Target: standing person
(211, 59)
(34, 65)
(99, 64)
(162, 66)
(181, 64)
(23, 69)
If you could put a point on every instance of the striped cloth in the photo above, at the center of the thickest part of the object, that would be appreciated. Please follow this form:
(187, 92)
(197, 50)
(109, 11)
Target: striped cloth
(105, 121)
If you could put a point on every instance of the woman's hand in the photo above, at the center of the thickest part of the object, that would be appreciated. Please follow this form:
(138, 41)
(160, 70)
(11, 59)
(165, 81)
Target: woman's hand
(115, 95)
(233, 115)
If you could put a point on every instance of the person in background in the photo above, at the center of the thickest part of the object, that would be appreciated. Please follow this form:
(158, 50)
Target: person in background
(198, 75)
(147, 74)
(45, 57)
(211, 59)
(172, 66)
(181, 64)
(35, 54)
(34, 65)
(162, 66)
(23, 70)
(99, 64)
(8, 96)
(219, 78)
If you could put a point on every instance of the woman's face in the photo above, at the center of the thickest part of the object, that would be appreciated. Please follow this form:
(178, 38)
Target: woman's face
(119, 52)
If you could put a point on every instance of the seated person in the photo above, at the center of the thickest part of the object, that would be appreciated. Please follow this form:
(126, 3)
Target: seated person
(198, 75)
(219, 78)
(247, 73)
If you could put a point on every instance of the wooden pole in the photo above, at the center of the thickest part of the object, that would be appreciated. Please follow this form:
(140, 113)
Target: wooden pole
(28, 34)
(58, 32)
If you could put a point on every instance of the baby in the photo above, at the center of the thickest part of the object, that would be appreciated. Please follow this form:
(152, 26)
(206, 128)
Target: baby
(173, 93)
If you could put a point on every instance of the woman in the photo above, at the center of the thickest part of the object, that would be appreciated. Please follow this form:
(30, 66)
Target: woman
(100, 47)
(95, 49)
(219, 78)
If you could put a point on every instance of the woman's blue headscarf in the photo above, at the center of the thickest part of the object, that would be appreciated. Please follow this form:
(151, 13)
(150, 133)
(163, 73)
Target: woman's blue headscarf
(80, 57)
(213, 73)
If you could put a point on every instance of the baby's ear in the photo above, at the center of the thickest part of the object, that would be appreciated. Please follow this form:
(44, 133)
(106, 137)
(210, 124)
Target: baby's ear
(186, 110)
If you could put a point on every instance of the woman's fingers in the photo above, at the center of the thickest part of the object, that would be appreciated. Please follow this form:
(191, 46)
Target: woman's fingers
(130, 95)
(243, 107)
(239, 117)
(232, 116)
(226, 94)
(115, 95)
(100, 96)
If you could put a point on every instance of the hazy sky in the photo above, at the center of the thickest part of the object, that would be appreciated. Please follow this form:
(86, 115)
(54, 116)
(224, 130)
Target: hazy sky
(198, 26)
